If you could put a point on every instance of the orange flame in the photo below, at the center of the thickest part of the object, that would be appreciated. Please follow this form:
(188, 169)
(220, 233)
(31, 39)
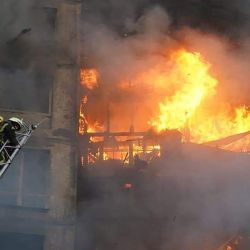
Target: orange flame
(84, 125)
(89, 78)
(188, 108)
(192, 74)
(183, 96)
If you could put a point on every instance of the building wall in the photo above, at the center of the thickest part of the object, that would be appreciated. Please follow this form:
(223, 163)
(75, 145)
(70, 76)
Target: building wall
(54, 217)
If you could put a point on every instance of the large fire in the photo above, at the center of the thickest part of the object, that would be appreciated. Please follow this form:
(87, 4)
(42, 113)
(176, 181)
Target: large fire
(190, 72)
(190, 110)
(185, 97)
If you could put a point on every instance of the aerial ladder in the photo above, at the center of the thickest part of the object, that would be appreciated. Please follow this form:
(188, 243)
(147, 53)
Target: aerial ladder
(22, 137)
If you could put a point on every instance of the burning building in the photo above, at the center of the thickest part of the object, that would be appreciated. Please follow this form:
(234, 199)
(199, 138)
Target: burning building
(144, 140)
(164, 139)
(182, 95)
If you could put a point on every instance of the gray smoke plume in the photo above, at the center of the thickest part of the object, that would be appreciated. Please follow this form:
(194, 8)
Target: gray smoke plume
(195, 200)
(120, 58)
(26, 55)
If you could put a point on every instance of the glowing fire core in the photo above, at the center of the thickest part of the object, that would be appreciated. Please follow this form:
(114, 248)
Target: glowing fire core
(190, 103)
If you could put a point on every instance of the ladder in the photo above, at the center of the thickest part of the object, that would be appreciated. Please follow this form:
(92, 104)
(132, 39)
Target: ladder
(22, 137)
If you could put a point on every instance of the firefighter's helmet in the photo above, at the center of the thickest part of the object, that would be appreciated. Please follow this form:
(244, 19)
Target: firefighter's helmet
(18, 123)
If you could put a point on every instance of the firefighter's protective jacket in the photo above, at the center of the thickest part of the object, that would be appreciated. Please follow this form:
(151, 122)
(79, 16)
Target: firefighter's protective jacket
(7, 132)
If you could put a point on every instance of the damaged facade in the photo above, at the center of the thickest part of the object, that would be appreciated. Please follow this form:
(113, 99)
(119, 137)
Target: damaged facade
(137, 189)
(39, 80)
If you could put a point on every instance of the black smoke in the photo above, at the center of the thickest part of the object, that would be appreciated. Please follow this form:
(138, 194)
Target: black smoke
(227, 18)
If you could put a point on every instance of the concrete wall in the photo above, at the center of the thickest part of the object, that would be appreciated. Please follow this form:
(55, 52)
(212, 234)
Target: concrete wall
(64, 128)
(58, 134)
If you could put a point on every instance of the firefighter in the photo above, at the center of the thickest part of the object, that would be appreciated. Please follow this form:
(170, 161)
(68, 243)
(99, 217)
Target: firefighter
(8, 131)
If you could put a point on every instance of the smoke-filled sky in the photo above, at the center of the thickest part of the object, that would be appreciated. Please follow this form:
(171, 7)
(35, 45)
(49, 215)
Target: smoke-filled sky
(148, 24)
(230, 18)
